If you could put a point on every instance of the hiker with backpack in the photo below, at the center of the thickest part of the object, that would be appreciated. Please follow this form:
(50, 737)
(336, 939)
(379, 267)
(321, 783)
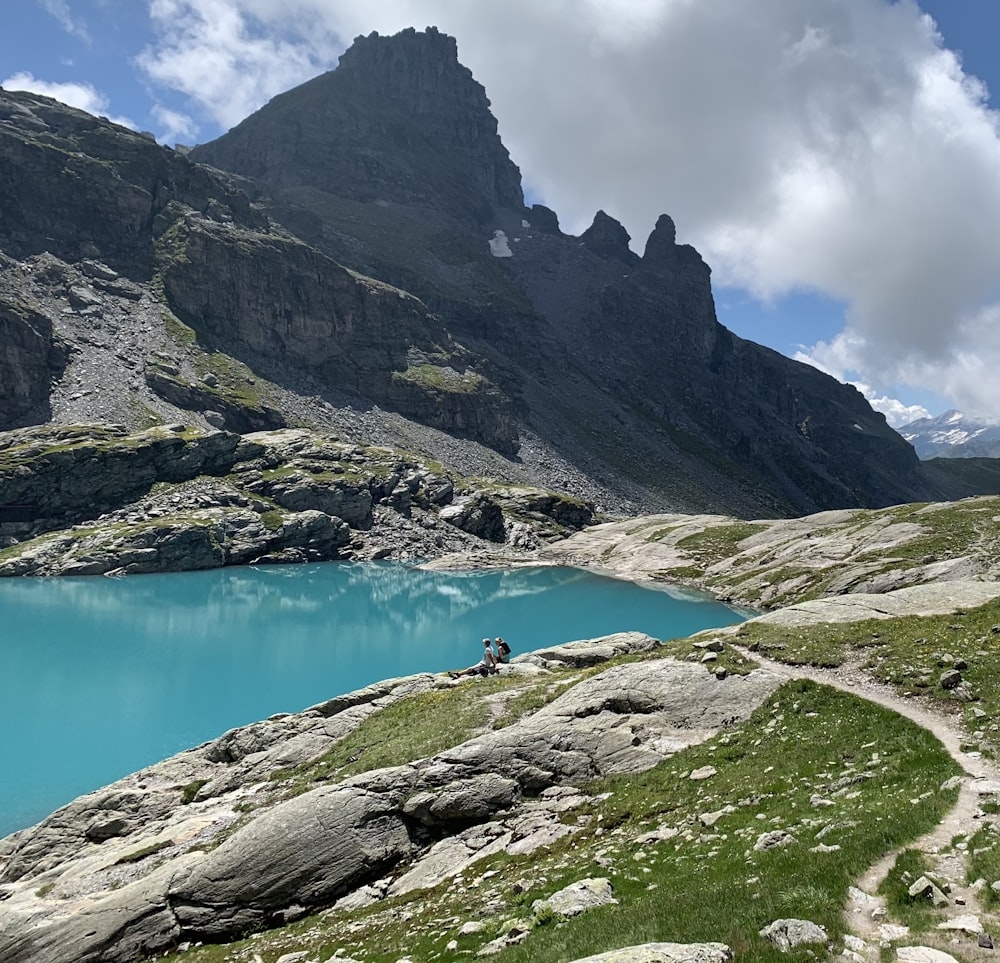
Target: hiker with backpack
(503, 651)
(487, 665)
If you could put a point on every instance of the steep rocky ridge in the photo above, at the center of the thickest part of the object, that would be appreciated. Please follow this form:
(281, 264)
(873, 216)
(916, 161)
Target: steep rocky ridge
(619, 362)
(409, 91)
(143, 224)
(388, 284)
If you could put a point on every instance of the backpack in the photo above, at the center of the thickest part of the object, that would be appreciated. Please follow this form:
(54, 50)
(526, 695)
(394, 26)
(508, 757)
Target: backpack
(504, 649)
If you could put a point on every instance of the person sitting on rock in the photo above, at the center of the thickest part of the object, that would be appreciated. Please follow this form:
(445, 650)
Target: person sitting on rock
(487, 665)
(503, 651)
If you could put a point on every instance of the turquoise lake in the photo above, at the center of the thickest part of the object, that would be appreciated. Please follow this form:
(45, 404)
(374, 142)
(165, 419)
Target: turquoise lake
(104, 676)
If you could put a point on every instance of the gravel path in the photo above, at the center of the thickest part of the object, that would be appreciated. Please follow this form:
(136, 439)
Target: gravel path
(964, 819)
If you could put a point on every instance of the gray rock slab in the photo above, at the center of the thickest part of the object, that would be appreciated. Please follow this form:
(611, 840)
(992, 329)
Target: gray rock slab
(665, 953)
(932, 599)
(788, 934)
(132, 922)
(922, 954)
(578, 897)
(308, 851)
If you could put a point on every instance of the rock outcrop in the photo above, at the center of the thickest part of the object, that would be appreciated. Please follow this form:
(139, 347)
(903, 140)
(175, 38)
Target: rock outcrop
(832, 561)
(607, 238)
(93, 499)
(30, 360)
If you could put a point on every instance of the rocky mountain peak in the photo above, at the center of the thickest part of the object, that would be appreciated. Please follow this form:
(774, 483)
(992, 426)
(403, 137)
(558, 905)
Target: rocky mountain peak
(400, 120)
(663, 255)
(664, 235)
(607, 238)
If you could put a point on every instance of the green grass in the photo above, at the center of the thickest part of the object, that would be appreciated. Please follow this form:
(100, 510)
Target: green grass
(919, 914)
(984, 863)
(909, 653)
(140, 854)
(441, 378)
(717, 541)
(191, 790)
(701, 884)
(272, 520)
(178, 331)
(410, 729)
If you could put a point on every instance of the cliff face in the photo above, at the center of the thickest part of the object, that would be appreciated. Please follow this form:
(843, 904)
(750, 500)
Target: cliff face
(400, 120)
(368, 248)
(79, 187)
(102, 220)
(30, 358)
(258, 295)
(391, 165)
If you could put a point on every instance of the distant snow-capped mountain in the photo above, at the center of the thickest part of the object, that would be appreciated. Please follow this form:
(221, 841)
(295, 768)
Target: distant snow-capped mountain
(953, 435)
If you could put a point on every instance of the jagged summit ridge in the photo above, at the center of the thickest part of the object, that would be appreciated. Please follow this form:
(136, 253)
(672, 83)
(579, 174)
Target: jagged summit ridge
(399, 120)
(382, 179)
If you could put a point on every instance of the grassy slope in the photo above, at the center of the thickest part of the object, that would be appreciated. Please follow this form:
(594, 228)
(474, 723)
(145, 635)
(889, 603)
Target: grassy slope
(704, 883)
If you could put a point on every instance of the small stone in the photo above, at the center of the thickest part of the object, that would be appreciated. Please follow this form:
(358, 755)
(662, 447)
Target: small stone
(964, 924)
(950, 679)
(923, 887)
(985, 942)
(789, 934)
(773, 840)
(705, 772)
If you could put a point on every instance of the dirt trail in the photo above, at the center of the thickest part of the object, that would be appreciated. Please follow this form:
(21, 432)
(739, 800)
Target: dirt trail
(965, 818)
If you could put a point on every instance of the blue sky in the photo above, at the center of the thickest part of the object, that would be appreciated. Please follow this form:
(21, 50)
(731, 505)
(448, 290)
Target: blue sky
(837, 162)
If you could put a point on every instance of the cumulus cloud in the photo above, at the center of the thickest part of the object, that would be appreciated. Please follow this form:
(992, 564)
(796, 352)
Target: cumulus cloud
(173, 125)
(230, 58)
(896, 413)
(77, 94)
(832, 145)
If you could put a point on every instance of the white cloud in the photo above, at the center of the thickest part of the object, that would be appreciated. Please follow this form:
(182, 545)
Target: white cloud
(81, 95)
(831, 145)
(174, 126)
(896, 413)
(228, 61)
(60, 10)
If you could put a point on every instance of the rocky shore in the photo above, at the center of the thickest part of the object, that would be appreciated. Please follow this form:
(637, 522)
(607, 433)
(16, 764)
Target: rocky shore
(90, 500)
(221, 840)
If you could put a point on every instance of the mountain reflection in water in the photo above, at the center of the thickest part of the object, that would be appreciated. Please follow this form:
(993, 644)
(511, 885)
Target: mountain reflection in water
(106, 676)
